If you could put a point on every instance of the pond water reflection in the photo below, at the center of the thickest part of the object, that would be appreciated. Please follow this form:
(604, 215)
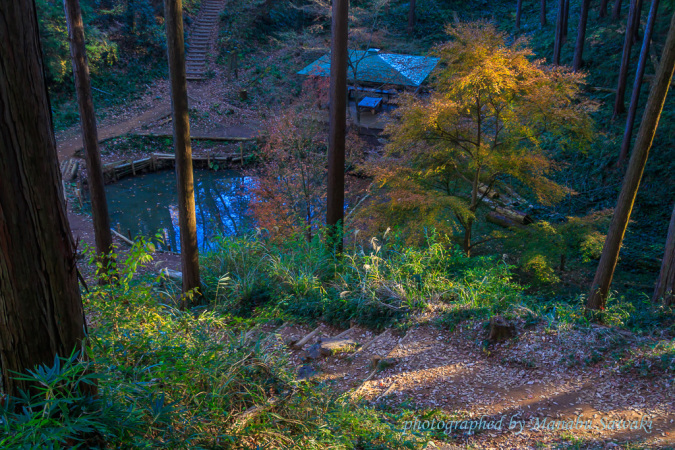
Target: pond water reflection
(147, 204)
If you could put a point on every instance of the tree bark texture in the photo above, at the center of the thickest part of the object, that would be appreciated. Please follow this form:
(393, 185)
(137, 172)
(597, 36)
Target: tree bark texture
(635, 37)
(619, 107)
(542, 13)
(78, 53)
(40, 306)
(565, 25)
(187, 219)
(338, 123)
(411, 17)
(581, 35)
(558, 43)
(616, 10)
(637, 85)
(603, 8)
(650, 120)
(665, 284)
(519, 13)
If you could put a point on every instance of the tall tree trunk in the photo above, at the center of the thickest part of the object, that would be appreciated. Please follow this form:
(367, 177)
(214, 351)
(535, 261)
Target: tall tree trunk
(558, 43)
(650, 120)
(581, 35)
(616, 10)
(187, 219)
(665, 284)
(635, 37)
(637, 85)
(99, 205)
(411, 17)
(619, 107)
(565, 26)
(40, 307)
(519, 12)
(603, 8)
(542, 13)
(338, 123)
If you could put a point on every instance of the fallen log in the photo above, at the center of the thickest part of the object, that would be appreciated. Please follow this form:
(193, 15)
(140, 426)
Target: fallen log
(491, 192)
(503, 221)
(514, 215)
(306, 339)
(122, 237)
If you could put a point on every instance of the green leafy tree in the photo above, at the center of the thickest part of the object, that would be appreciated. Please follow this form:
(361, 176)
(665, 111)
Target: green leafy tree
(102, 52)
(492, 115)
(546, 250)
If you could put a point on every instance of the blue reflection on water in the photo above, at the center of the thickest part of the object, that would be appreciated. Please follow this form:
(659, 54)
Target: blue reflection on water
(148, 204)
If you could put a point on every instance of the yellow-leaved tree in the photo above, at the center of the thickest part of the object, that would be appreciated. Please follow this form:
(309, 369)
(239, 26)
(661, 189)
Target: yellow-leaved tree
(492, 114)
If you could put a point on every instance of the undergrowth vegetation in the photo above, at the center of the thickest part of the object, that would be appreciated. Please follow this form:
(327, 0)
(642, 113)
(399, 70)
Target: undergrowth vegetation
(181, 379)
(176, 378)
(384, 282)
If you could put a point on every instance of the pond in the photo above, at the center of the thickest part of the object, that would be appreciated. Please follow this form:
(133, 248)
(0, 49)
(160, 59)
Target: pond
(147, 204)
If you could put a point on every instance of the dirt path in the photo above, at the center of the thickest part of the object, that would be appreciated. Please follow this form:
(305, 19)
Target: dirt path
(201, 40)
(67, 148)
(523, 381)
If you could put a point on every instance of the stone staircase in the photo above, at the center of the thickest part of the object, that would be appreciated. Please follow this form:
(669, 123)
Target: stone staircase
(201, 38)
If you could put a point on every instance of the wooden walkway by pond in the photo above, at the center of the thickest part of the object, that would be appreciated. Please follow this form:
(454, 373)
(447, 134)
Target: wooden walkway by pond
(157, 161)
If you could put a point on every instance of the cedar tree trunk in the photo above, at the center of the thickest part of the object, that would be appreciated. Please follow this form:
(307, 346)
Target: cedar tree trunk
(635, 95)
(187, 220)
(338, 124)
(619, 107)
(558, 42)
(581, 35)
(650, 120)
(665, 285)
(616, 10)
(542, 13)
(78, 53)
(411, 17)
(40, 306)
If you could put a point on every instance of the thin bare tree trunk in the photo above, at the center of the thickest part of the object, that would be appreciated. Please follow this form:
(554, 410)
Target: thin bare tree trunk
(581, 35)
(637, 85)
(338, 123)
(665, 284)
(519, 12)
(542, 13)
(565, 25)
(619, 107)
(603, 8)
(99, 205)
(411, 17)
(636, 24)
(616, 10)
(558, 43)
(41, 313)
(187, 219)
(650, 120)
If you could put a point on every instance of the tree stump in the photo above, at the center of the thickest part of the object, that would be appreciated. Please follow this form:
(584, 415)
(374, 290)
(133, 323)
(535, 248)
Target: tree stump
(501, 330)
